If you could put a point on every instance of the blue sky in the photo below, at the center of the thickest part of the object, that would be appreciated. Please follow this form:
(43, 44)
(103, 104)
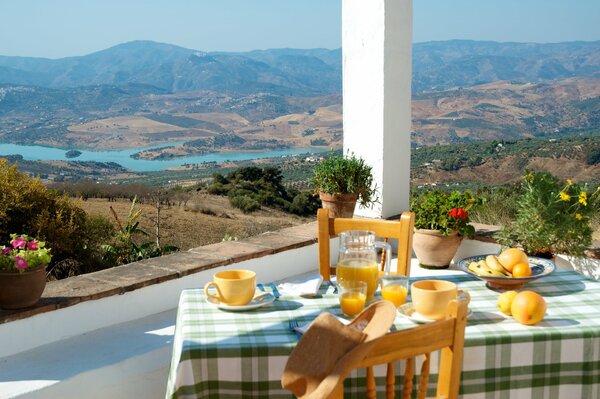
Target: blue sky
(58, 28)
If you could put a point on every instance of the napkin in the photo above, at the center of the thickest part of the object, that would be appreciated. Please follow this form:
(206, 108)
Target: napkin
(302, 328)
(304, 286)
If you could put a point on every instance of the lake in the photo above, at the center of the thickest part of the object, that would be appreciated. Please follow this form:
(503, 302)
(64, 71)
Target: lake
(123, 157)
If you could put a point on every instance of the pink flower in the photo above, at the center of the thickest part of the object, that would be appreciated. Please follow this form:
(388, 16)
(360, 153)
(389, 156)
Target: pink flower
(32, 245)
(19, 242)
(21, 263)
(6, 251)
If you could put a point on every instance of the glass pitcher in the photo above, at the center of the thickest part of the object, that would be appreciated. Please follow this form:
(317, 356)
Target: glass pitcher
(357, 258)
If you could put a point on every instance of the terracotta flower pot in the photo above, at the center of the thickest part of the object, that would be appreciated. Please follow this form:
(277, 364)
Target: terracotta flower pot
(434, 250)
(339, 205)
(21, 290)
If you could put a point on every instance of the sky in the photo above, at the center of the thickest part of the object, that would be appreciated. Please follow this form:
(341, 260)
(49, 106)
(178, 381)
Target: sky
(60, 28)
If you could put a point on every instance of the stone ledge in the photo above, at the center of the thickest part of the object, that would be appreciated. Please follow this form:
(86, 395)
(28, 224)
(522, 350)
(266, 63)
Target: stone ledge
(121, 279)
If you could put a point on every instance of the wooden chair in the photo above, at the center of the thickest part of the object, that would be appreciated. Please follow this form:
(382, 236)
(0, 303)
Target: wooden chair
(446, 335)
(387, 229)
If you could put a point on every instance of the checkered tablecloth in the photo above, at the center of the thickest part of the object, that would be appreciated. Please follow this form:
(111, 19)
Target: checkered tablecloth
(242, 354)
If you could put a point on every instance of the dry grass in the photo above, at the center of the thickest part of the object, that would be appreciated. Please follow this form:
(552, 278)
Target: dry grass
(205, 219)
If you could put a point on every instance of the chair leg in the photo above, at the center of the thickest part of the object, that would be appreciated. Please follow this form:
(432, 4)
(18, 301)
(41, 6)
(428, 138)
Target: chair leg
(371, 390)
(390, 382)
(424, 378)
(409, 375)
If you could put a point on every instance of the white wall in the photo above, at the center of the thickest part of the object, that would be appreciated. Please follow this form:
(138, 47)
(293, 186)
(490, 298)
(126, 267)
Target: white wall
(377, 66)
(114, 347)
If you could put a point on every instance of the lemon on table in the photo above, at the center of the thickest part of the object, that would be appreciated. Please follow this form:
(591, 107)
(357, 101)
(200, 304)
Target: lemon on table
(505, 302)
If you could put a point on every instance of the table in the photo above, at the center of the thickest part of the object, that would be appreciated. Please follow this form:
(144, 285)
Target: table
(232, 355)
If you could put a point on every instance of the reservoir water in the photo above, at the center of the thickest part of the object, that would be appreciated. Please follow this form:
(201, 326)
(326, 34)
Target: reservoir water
(123, 157)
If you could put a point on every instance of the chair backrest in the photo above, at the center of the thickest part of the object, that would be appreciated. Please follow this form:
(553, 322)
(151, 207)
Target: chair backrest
(387, 229)
(446, 336)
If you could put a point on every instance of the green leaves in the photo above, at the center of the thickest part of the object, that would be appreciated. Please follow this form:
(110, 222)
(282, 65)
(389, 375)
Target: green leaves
(346, 175)
(126, 249)
(434, 209)
(552, 216)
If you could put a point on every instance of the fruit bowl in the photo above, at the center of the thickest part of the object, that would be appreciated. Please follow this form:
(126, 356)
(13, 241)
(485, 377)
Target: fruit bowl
(540, 267)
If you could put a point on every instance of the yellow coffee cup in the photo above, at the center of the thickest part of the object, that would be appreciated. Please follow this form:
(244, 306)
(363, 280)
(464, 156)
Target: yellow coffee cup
(234, 287)
(431, 297)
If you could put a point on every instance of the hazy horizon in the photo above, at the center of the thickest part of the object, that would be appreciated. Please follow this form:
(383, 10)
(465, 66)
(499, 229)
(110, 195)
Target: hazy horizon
(284, 48)
(65, 28)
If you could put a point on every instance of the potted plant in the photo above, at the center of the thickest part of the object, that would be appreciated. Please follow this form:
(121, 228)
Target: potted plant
(22, 272)
(341, 182)
(552, 217)
(441, 221)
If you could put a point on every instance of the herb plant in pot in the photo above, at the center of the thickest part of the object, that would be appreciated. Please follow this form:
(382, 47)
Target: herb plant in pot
(441, 222)
(22, 272)
(341, 182)
(552, 216)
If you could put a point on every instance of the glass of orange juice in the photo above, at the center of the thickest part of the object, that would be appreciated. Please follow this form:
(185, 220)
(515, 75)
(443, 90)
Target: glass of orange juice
(353, 295)
(394, 288)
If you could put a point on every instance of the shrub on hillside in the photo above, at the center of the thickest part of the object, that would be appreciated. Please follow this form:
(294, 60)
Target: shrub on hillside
(249, 188)
(592, 156)
(305, 203)
(244, 203)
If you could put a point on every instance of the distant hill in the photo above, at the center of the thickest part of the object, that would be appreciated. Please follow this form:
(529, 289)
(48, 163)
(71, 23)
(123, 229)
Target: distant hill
(442, 65)
(506, 111)
(142, 92)
(293, 72)
(177, 69)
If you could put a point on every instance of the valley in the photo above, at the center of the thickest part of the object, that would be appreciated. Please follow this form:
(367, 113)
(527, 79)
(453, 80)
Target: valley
(184, 114)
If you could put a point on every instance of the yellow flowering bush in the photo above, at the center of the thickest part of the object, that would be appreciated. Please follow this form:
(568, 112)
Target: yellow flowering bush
(552, 216)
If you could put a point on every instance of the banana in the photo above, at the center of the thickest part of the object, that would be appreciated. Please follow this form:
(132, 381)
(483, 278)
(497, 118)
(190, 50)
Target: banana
(493, 264)
(479, 268)
(496, 273)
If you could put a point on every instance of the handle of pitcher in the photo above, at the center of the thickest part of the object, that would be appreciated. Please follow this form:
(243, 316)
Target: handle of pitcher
(388, 254)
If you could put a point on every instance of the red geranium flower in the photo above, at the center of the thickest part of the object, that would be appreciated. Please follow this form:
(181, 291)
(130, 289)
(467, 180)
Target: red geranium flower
(458, 213)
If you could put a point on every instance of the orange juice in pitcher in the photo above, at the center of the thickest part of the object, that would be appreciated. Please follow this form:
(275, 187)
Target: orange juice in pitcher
(357, 260)
(359, 270)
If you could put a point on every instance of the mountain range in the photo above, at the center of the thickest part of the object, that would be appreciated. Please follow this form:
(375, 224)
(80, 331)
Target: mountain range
(144, 93)
(292, 72)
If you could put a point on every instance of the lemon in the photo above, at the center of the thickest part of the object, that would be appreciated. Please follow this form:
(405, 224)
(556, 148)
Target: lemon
(505, 302)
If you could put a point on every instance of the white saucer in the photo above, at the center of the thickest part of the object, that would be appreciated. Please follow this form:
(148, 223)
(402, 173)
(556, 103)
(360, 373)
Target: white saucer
(408, 312)
(259, 300)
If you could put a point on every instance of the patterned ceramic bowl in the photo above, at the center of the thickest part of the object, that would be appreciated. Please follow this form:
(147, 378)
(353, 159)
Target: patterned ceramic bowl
(540, 267)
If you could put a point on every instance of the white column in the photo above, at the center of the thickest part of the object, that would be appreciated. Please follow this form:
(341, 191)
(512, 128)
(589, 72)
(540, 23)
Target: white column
(377, 65)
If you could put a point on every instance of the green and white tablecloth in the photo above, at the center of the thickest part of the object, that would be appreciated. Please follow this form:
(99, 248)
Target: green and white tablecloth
(242, 354)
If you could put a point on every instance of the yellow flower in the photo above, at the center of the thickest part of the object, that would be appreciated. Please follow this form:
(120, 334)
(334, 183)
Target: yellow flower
(583, 198)
(569, 182)
(578, 216)
(564, 196)
(530, 178)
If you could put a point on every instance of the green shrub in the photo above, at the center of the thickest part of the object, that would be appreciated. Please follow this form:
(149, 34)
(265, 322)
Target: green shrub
(499, 205)
(27, 207)
(444, 211)
(592, 156)
(244, 203)
(552, 216)
(346, 175)
(250, 187)
(305, 204)
(127, 246)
